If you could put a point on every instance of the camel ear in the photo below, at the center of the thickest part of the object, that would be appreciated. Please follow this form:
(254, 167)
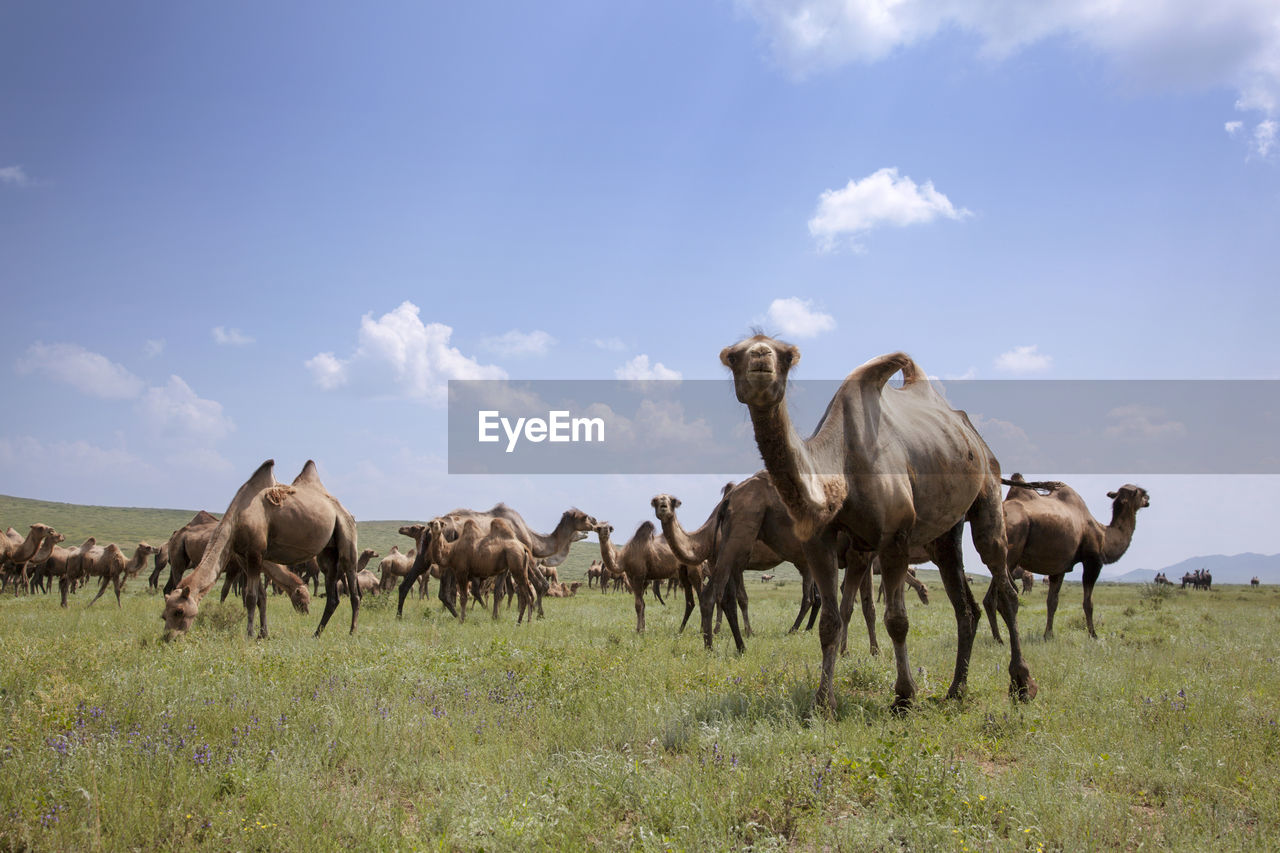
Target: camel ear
(726, 357)
(1113, 495)
(186, 592)
(654, 503)
(675, 503)
(788, 356)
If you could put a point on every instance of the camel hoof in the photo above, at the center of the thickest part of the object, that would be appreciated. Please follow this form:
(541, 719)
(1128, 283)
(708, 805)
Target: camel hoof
(901, 706)
(875, 651)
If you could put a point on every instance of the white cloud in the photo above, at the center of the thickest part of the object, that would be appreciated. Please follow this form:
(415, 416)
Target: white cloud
(1026, 359)
(610, 344)
(230, 337)
(796, 318)
(397, 355)
(639, 368)
(881, 198)
(516, 342)
(174, 409)
(153, 347)
(14, 176)
(90, 372)
(1179, 44)
(1264, 137)
(1142, 422)
(1233, 127)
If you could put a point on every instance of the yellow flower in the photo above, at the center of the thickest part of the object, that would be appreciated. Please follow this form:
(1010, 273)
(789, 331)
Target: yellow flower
(982, 796)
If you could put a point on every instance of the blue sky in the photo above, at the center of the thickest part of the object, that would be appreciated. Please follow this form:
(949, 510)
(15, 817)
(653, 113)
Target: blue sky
(233, 232)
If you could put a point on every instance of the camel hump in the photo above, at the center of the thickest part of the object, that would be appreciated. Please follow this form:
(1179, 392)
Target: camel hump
(728, 487)
(644, 531)
(880, 369)
(309, 476)
(203, 517)
(498, 526)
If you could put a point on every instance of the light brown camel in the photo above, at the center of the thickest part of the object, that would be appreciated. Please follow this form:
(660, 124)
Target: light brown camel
(1049, 534)
(186, 546)
(751, 530)
(395, 565)
(362, 573)
(108, 563)
(64, 564)
(478, 554)
(593, 573)
(647, 559)
(17, 551)
(268, 522)
(550, 547)
(893, 468)
(36, 565)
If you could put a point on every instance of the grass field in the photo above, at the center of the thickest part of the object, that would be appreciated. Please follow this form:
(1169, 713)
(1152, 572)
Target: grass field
(577, 733)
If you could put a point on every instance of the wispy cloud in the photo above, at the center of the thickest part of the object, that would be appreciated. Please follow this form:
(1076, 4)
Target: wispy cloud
(796, 318)
(175, 410)
(1137, 421)
(14, 176)
(609, 344)
(89, 372)
(640, 368)
(230, 337)
(153, 347)
(397, 355)
(882, 198)
(1178, 44)
(516, 342)
(1024, 359)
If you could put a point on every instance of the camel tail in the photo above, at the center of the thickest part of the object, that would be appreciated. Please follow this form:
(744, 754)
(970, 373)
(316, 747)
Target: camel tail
(1044, 487)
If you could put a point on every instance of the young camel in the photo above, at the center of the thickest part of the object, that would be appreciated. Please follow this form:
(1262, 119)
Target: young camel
(476, 554)
(648, 559)
(38, 561)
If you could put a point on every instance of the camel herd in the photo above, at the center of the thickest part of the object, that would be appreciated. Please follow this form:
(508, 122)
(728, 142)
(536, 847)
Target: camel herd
(887, 480)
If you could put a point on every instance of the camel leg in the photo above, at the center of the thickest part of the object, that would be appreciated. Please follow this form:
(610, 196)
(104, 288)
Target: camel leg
(330, 596)
(406, 584)
(102, 587)
(464, 590)
(946, 553)
(741, 588)
(820, 554)
(1091, 571)
(688, 596)
(853, 585)
(806, 600)
(638, 589)
(986, 521)
(725, 573)
(893, 567)
(117, 584)
(448, 592)
(1055, 587)
(657, 592)
(989, 605)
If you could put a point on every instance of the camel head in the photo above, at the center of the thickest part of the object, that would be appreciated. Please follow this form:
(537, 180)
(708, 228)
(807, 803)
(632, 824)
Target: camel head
(760, 366)
(368, 554)
(581, 521)
(413, 531)
(180, 610)
(146, 550)
(55, 536)
(1130, 496)
(664, 507)
(301, 599)
(603, 529)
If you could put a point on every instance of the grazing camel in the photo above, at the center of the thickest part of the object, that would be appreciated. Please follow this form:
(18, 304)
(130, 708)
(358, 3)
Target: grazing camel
(109, 563)
(266, 523)
(1254, 582)
(893, 468)
(648, 559)
(480, 553)
(1049, 534)
(554, 545)
(767, 578)
(186, 546)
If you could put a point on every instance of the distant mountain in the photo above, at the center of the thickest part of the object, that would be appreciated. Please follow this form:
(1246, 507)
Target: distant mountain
(1225, 568)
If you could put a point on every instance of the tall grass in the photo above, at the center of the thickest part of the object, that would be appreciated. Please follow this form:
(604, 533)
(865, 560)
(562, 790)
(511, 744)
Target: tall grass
(576, 732)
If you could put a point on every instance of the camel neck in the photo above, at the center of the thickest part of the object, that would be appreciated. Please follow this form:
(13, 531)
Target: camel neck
(691, 548)
(1119, 533)
(792, 468)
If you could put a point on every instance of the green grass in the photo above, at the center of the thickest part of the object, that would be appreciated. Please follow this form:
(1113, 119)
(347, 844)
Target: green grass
(576, 733)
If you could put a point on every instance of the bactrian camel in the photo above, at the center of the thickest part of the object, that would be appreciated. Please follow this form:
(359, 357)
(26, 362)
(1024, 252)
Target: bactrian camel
(1050, 533)
(893, 468)
(647, 559)
(543, 547)
(268, 522)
